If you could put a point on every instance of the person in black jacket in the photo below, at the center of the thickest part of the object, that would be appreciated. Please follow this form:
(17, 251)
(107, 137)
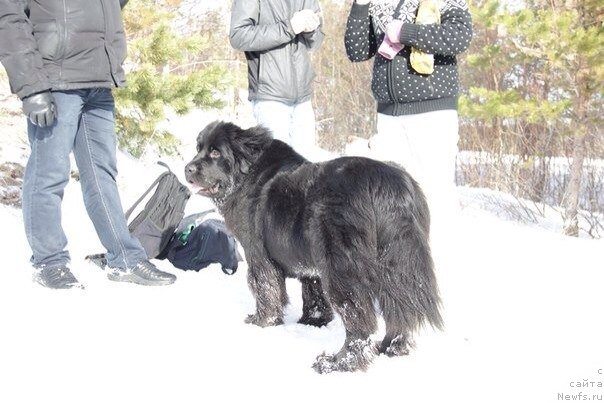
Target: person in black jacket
(62, 58)
(417, 124)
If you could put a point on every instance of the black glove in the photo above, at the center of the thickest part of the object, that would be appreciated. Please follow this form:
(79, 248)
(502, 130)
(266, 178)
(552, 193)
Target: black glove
(40, 108)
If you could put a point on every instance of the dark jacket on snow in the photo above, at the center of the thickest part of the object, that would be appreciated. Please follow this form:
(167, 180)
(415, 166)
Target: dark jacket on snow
(278, 60)
(62, 44)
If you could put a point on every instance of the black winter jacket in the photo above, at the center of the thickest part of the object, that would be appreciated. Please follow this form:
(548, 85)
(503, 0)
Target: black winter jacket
(62, 44)
(397, 87)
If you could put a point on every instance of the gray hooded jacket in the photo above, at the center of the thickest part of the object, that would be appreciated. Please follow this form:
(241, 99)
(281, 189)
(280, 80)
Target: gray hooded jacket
(278, 60)
(62, 44)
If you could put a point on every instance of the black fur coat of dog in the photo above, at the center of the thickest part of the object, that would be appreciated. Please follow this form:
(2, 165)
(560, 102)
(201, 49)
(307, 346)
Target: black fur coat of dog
(353, 230)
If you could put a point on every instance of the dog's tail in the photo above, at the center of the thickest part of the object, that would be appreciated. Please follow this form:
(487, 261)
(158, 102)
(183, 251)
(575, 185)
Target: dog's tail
(410, 296)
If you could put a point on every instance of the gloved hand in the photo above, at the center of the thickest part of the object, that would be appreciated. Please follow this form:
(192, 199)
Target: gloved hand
(393, 31)
(40, 108)
(303, 20)
(312, 22)
(427, 13)
(388, 49)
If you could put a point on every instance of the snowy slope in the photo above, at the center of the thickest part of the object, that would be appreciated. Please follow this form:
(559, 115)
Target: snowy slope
(523, 311)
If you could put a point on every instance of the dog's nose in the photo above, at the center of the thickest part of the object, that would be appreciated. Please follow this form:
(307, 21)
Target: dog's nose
(190, 169)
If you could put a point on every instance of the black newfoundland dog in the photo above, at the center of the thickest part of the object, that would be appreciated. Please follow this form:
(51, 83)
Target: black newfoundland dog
(353, 230)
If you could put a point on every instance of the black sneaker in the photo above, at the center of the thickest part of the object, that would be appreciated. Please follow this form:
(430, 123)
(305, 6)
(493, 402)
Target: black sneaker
(56, 277)
(144, 273)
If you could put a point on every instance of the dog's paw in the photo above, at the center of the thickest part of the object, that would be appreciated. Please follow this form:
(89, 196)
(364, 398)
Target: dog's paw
(355, 356)
(316, 316)
(399, 346)
(397, 350)
(318, 322)
(258, 320)
(325, 363)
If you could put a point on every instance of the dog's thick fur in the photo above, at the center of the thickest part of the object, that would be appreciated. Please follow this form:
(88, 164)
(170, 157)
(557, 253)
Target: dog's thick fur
(353, 230)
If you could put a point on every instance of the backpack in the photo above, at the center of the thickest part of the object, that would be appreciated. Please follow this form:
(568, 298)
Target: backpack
(154, 226)
(198, 243)
(156, 223)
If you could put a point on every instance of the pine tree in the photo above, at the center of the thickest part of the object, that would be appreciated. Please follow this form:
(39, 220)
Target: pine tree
(156, 81)
(540, 67)
(342, 91)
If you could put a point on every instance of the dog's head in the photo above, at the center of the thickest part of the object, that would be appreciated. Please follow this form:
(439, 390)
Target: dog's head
(225, 153)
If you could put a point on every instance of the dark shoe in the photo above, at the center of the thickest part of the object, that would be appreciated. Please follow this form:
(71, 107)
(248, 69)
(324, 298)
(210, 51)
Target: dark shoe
(55, 277)
(144, 273)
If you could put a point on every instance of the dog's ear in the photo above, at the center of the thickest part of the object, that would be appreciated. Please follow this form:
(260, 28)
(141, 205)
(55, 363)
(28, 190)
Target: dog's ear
(210, 128)
(248, 144)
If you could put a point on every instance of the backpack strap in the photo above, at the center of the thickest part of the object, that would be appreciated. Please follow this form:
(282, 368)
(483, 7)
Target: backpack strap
(163, 164)
(155, 182)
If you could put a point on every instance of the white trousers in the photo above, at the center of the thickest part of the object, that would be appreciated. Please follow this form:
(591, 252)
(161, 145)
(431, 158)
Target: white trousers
(425, 145)
(293, 124)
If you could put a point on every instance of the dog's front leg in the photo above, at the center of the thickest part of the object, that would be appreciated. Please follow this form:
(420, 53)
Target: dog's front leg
(267, 284)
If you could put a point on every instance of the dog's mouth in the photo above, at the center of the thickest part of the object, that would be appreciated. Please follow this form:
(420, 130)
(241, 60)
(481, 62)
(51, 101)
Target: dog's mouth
(205, 190)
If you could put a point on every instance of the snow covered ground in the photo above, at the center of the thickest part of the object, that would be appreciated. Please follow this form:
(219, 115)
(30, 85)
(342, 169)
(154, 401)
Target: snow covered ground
(523, 308)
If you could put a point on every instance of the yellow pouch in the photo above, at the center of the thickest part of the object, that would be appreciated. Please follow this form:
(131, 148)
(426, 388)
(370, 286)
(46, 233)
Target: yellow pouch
(428, 12)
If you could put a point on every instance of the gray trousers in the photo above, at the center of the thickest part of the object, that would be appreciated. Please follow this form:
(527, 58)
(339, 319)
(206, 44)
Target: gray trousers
(85, 125)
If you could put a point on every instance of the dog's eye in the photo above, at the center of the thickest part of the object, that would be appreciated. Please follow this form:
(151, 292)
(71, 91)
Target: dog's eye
(214, 153)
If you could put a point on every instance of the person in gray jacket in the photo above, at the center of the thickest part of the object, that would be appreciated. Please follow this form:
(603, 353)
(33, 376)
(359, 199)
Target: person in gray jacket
(62, 58)
(276, 36)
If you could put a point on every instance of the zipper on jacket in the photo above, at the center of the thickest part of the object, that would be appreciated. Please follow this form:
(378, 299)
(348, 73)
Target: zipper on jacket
(63, 45)
(290, 8)
(105, 43)
(294, 72)
(390, 81)
(431, 85)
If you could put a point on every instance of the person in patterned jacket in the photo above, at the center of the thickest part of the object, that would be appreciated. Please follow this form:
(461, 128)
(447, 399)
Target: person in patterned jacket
(417, 123)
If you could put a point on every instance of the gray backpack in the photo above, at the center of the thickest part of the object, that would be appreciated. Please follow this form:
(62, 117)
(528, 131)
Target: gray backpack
(156, 223)
(158, 220)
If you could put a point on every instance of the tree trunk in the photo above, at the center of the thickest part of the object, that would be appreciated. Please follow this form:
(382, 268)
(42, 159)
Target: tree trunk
(571, 199)
(581, 130)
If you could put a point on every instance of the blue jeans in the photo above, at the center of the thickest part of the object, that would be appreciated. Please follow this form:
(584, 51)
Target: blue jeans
(85, 125)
